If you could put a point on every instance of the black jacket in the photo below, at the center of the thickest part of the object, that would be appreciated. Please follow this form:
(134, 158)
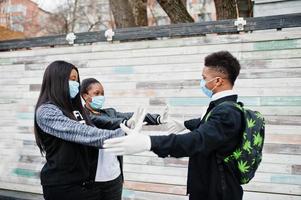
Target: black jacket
(218, 136)
(110, 119)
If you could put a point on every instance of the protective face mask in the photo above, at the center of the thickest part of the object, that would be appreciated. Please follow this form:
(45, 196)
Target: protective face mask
(205, 90)
(97, 102)
(73, 88)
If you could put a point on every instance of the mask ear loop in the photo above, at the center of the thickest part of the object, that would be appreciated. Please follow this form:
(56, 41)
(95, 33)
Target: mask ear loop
(215, 85)
(86, 99)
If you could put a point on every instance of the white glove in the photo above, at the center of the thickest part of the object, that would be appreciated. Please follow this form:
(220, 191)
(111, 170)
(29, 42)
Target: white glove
(137, 118)
(175, 126)
(163, 118)
(134, 142)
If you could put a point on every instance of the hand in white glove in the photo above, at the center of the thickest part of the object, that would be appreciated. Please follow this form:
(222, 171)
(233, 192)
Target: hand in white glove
(137, 118)
(175, 126)
(163, 118)
(134, 142)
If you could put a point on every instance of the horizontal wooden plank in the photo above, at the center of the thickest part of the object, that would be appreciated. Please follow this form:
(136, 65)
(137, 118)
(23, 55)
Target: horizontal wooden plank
(147, 169)
(17, 195)
(283, 120)
(139, 195)
(293, 149)
(153, 178)
(280, 129)
(247, 196)
(268, 8)
(283, 138)
(272, 188)
(154, 187)
(26, 181)
(155, 161)
(21, 187)
(268, 196)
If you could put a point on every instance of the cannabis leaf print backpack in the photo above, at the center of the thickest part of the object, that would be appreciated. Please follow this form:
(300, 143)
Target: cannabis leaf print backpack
(247, 156)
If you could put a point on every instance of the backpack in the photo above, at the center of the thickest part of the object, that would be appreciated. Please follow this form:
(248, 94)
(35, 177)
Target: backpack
(248, 154)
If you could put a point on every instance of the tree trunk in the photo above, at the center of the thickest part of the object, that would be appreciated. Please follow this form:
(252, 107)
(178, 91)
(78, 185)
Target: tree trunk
(226, 9)
(123, 13)
(176, 11)
(74, 17)
(184, 3)
(139, 8)
(245, 8)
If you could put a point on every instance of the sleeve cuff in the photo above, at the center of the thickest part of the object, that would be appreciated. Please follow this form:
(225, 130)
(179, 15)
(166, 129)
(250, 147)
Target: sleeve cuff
(158, 119)
(124, 122)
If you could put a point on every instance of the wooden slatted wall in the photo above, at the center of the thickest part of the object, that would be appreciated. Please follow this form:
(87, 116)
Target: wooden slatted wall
(155, 73)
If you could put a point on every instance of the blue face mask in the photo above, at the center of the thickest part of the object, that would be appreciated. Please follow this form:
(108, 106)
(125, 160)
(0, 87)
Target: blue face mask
(73, 88)
(205, 90)
(97, 102)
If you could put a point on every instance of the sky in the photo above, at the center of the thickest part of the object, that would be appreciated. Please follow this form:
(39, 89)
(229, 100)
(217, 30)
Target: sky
(49, 5)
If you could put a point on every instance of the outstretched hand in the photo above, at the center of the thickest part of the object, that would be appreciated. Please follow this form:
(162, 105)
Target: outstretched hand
(134, 142)
(137, 119)
(175, 126)
(164, 116)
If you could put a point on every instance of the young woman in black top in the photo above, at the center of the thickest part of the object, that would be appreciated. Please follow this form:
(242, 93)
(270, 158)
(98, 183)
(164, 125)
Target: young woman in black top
(67, 137)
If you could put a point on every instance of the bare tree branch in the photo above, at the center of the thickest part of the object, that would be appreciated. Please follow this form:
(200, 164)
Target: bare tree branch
(153, 16)
(176, 11)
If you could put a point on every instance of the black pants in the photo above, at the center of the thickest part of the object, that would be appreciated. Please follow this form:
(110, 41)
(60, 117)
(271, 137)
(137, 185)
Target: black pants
(110, 190)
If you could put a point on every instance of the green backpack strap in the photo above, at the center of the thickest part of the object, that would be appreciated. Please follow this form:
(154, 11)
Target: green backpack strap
(220, 159)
